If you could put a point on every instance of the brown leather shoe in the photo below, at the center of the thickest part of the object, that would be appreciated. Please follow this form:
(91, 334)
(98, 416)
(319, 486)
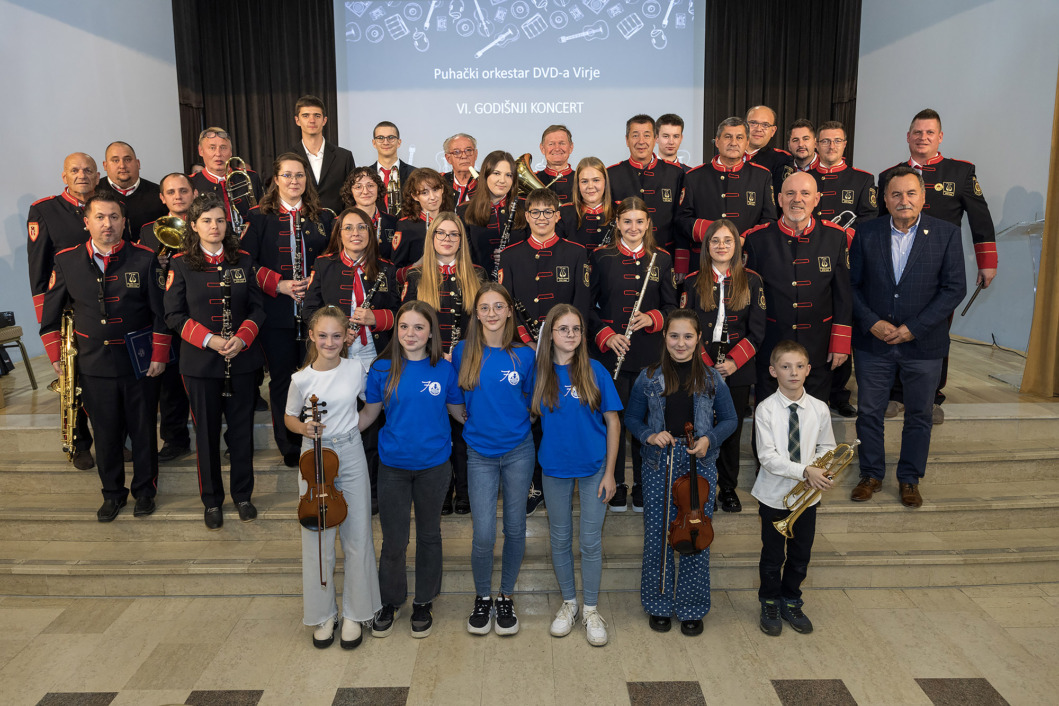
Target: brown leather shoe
(865, 489)
(910, 496)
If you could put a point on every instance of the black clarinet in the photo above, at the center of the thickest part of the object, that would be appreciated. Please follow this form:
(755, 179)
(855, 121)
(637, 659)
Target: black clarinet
(605, 240)
(366, 304)
(226, 328)
(532, 326)
(299, 274)
(457, 313)
(504, 238)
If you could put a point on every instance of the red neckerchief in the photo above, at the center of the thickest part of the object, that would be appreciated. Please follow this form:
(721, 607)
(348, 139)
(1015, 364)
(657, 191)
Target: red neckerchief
(386, 175)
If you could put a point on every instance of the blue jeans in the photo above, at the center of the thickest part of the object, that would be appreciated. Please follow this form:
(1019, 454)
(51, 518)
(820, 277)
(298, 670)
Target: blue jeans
(559, 496)
(484, 476)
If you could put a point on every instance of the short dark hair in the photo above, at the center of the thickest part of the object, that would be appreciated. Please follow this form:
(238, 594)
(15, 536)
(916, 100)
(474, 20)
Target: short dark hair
(787, 346)
(309, 101)
(671, 119)
(641, 118)
(161, 184)
(902, 170)
(832, 125)
(542, 197)
(733, 121)
(385, 123)
(801, 122)
(118, 142)
(926, 114)
(104, 196)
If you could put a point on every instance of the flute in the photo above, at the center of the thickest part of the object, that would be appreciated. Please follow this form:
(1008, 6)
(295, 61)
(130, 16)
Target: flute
(635, 311)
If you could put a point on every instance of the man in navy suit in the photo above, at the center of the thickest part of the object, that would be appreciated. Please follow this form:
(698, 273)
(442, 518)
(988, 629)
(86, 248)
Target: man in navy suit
(908, 277)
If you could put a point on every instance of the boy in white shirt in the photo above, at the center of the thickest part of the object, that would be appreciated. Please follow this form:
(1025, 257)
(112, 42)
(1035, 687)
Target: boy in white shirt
(792, 428)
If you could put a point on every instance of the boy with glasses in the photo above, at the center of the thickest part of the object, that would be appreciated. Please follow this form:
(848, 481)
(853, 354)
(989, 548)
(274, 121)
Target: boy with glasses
(386, 139)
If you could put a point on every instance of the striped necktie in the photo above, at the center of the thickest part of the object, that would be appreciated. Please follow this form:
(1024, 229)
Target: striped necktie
(794, 437)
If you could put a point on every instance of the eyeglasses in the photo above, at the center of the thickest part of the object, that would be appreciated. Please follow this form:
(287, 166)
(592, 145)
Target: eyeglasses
(360, 228)
(291, 176)
(469, 152)
(386, 138)
(567, 330)
(758, 123)
(542, 213)
(827, 143)
(498, 307)
(440, 235)
(210, 134)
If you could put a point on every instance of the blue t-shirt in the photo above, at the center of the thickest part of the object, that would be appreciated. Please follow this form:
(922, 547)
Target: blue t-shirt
(575, 437)
(498, 416)
(416, 434)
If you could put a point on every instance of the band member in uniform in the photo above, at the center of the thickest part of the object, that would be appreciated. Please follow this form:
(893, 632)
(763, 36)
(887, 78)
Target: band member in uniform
(487, 214)
(804, 265)
(56, 223)
(557, 144)
(218, 371)
(425, 196)
(761, 128)
(448, 281)
(620, 272)
(677, 389)
(123, 179)
(461, 152)
(329, 164)
(386, 138)
(670, 136)
(730, 303)
(588, 219)
(112, 287)
(726, 187)
(289, 217)
(801, 141)
(658, 183)
(215, 148)
(364, 190)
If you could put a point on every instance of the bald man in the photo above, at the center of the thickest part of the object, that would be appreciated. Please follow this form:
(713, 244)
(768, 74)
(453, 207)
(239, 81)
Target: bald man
(804, 264)
(139, 195)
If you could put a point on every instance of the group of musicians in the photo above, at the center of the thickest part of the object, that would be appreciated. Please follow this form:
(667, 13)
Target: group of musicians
(756, 242)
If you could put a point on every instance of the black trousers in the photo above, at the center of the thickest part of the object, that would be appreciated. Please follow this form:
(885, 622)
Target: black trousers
(728, 459)
(284, 355)
(173, 408)
(458, 459)
(207, 408)
(840, 392)
(784, 562)
(116, 406)
(624, 384)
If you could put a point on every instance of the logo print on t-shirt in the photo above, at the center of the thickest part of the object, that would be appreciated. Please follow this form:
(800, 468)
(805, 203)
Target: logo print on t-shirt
(432, 386)
(511, 376)
(571, 391)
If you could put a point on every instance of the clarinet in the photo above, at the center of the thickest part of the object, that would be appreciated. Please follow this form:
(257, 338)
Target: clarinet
(722, 345)
(605, 241)
(299, 274)
(635, 311)
(226, 328)
(366, 304)
(504, 238)
(533, 327)
(457, 314)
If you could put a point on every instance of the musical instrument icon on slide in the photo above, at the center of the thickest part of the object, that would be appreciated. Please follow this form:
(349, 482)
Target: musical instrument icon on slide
(665, 20)
(510, 34)
(485, 27)
(599, 30)
(430, 13)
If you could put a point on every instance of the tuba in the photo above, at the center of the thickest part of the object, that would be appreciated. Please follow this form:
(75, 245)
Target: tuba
(169, 232)
(801, 496)
(66, 386)
(238, 187)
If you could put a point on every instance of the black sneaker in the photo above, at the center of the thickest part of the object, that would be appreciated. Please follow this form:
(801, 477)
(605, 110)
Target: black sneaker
(791, 611)
(481, 618)
(770, 617)
(446, 507)
(729, 500)
(534, 500)
(421, 619)
(637, 498)
(171, 452)
(620, 501)
(382, 625)
(506, 620)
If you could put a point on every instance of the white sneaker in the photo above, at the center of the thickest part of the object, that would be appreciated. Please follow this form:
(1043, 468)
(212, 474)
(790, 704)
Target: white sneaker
(595, 627)
(564, 619)
(351, 634)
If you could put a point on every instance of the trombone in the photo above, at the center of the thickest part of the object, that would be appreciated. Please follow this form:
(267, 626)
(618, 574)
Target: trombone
(801, 496)
(238, 187)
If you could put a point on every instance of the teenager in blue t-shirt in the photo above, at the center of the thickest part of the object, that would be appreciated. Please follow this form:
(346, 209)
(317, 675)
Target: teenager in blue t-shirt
(418, 389)
(496, 376)
(578, 406)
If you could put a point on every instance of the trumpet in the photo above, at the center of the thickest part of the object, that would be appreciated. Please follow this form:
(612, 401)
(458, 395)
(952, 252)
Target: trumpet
(238, 187)
(66, 386)
(801, 496)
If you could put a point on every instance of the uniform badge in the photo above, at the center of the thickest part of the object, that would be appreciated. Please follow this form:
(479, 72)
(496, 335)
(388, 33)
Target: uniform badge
(404, 291)
(387, 235)
(432, 386)
(384, 285)
(161, 280)
(667, 195)
(169, 280)
(824, 263)
(396, 242)
(132, 280)
(974, 181)
(682, 195)
(653, 274)
(761, 300)
(51, 280)
(847, 196)
(950, 188)
(499, 278)
(587, 274)
(939, 186)
(238, 276)
(873, 197)
(684, 300)
(34, 230)
(751, 198)
(787, 171)
(562, 273)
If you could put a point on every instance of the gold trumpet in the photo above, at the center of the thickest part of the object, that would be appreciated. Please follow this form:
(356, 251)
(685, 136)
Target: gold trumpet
(801, 496)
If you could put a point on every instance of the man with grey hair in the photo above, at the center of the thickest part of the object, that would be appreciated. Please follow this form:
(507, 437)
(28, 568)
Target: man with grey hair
(461, 152)
(725, 187)
(761, 120)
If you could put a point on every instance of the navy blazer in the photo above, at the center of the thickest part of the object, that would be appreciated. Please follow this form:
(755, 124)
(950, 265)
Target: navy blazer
(932, 285)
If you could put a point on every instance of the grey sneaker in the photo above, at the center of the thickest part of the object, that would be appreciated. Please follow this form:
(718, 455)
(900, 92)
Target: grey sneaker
(422, 620)
(770, 617)
(382, 625)
(791, 611)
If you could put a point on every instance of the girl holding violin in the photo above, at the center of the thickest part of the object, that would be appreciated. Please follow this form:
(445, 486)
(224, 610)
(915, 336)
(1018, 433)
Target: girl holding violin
(578, 406)
(334, 382)
(363, 189)
(730, 303)
(679, 389)
(425, 196)
(589, 219)
(487, 214)
(418, 388)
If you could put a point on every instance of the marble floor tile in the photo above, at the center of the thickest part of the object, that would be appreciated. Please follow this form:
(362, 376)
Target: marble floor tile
(173, 665)
(813, 692)
(956, 692)
(250, 655)
(77, 699)
(225, 697)
(89, 616)
(25, 622)
(663, 693)
(10, 648)
(30, 673)
(125, 647)
(371, 696)
(150, 697)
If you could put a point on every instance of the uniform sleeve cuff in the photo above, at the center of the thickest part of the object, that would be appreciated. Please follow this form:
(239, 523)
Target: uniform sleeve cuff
(523, 334)
(38, 305)
(681, 260)
(602, 337)
(268, 281)
(840, 339)
(383, 319)
(698, 231)
(52, 345)
(741, 353)
(247, 332)
(160, 343)
(707, 359)
(657, 321)
(985, 254)
(194, 333)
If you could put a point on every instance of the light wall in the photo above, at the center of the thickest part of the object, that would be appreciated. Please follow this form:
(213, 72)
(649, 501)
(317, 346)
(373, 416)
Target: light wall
(989, 69)
(76, 77)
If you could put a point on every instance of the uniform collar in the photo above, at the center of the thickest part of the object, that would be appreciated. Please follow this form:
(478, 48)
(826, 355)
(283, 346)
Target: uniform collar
(651, 165)
(718, 276)
(285, 208)
(537, 245)
(722, 167)
(813, 163)
(447, 269)
(841, 166)
(124, 192)
(211, 258)
(210, 176)
(69, 198)
(787, 230)
(594, 210)
(933, 160)
(109, 257)
(560, 172)
(359, 262)
(624, 250)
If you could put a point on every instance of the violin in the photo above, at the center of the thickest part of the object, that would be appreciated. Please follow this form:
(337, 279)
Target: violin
(691, 530)
(322, 506)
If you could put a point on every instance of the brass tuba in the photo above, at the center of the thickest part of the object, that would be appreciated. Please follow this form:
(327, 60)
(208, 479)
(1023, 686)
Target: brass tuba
(66, 386)
(238, 187)
(801, 496)
(527, 180)
(169, 232)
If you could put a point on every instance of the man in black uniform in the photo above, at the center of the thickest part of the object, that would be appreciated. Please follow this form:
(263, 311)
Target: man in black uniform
(215, 148)
(670, 137)
(761, 120)
(386, 138)
(112, 287)
(804, 265)
(56, 223)
(123, 179)
(329, 164)
(643, 174)
(557, 144)
(726, 187)
(461, 152)
(952, 189)
(801, 141)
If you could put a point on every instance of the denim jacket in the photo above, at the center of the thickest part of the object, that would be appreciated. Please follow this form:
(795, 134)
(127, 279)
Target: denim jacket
(646, 415)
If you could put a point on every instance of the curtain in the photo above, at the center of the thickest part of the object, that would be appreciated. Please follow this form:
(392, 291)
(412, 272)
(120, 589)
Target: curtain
(798, 58)
(242, 65)
(1041, 376)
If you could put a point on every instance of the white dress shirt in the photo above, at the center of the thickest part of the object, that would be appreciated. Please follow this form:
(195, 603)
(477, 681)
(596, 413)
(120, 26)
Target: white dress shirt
(316, 161)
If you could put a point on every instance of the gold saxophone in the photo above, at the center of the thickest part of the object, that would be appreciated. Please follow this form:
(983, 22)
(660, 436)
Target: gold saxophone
(66, 386)
(801, 496)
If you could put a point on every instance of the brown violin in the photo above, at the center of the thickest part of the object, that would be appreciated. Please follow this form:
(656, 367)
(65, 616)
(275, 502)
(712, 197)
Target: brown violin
(691, 530)
(323, 505)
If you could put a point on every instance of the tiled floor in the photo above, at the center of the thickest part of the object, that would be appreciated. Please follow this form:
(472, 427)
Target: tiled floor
(977, 645)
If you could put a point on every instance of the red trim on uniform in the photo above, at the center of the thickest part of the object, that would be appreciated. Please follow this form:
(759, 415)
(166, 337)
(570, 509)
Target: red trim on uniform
(840, 339)
(247, 332)
(933, 160)
(383, 319)
(657, 319)
(70, 199)
(603, 336)
(986, 255)
(787, 230)
(720, 166)
(402, 274)
(681, 261)
(741, 353)
(642, 252)
(195, 333)
(38, 305)
(269, 281)
(707, 359)
(538, 245)
(698, 231)
(637, 165)
(52, 345)
(551, 172)
(160, 343)
(523, 334)
(841, 166)
(813, 163)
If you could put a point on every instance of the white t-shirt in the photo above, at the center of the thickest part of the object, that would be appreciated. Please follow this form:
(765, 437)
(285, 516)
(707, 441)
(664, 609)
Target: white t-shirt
(339, 388)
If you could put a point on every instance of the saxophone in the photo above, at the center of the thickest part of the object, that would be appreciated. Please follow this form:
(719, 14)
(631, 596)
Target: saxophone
(66, 386)
(393, 191)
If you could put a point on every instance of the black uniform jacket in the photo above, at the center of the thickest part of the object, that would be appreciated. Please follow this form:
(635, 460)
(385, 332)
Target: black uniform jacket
(462, 193)
(55, 223)
(334, 281)
(485, 240)
(659, 184)
(779, 162)
(561, 183)
(205, 182)
(407, 243)
(746, 326)
(141, 206)
(540, 275)
(453, 308)
(843, 188)
(591, 232)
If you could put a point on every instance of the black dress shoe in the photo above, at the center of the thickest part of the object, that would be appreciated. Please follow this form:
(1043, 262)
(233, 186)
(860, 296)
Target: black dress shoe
(729, 500)
(660, 623)
(375, 506)
(126, 454)
(446, 507)
(170, 452)
(845, 409)
(109, 509)
(260, 405)
(691, 627)
(83, 460)
(144, 506)
(291, 458)
(214, 518)
(462, 506)
(247, 511)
